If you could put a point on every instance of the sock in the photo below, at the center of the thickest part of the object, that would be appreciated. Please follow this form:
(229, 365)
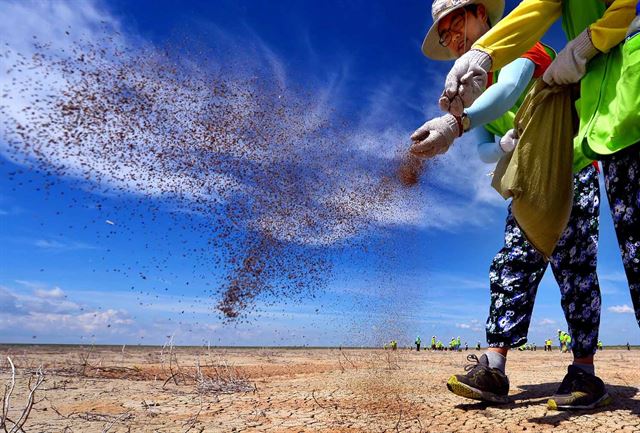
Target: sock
(589, 368)
(496, 360)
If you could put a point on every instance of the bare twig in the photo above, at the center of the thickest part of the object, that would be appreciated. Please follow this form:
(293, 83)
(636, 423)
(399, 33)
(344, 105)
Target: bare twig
(120, 418)
(349, 361)
(19, 424)
(191, 422)
(84, 357)
(313, 392)
(224, 379)
(8, 390)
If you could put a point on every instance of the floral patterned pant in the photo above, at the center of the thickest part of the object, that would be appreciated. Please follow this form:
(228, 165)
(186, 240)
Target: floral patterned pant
(517, 269)
(622, 182)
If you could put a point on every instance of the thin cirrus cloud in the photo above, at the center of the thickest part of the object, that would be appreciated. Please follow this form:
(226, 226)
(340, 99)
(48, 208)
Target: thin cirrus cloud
(454, 198)
(620, 309)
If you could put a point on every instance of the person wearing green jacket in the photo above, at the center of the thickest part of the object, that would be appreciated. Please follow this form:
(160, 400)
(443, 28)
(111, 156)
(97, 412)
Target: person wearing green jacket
(517, 269)
(606, 62)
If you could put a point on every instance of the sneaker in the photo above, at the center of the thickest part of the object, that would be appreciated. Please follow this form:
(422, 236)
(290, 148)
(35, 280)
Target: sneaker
(579, 390)
(481, 382)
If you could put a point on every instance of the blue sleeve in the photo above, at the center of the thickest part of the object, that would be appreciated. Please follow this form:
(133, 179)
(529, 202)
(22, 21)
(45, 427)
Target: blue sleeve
(489, 150)
(500, 97)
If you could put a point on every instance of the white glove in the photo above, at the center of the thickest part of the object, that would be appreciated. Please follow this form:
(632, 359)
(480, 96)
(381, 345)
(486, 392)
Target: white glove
(571, 63)
(466, 80)
(509, 141)
(435, 136)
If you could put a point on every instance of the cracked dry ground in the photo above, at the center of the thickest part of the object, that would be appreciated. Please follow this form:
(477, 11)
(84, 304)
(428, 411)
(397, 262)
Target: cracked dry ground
(302, 390)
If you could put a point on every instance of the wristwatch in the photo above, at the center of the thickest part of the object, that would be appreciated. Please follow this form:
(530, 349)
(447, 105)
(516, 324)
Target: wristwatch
(466, 122)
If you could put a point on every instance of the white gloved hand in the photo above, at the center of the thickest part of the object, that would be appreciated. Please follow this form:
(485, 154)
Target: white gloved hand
(571, 63)
(509, 141)
(466, 80)
(435, 136)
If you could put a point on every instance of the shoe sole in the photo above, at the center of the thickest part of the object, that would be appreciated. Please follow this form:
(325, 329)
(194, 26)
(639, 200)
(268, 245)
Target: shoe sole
(605, 400)
(464, 390)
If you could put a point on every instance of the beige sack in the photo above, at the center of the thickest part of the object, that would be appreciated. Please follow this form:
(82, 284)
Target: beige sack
(538, 173)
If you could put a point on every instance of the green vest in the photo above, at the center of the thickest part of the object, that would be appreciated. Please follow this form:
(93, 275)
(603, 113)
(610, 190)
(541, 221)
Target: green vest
(504, 123)
(609, 102)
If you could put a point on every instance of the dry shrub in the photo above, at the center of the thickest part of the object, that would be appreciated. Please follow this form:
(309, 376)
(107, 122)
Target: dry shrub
(222, 379)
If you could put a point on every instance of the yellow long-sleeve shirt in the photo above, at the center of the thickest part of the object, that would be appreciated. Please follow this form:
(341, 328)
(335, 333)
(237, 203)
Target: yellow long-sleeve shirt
(530, 20)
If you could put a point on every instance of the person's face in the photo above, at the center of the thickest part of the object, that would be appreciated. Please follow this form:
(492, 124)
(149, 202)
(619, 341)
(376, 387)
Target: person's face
(452, 29)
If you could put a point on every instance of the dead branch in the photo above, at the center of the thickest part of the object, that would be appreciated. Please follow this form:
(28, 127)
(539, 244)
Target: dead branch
(224, 379)
(84, 357)
(17, 426)
(349, 361)
(120, 418)
(399, 417)
(313, 394)
(6, 400)
(191, 422)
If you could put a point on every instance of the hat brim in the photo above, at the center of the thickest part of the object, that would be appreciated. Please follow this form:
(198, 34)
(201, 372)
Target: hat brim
(431, 45)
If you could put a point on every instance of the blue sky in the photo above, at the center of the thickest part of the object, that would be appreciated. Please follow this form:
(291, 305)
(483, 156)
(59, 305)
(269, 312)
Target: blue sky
(68, 276)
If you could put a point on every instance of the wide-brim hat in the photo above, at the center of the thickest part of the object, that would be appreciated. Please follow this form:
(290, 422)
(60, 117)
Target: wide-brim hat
(441, 8)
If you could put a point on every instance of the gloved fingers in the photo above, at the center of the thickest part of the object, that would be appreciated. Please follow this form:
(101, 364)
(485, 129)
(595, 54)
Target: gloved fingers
(422, 132)
(456, 106)
(444, 103)
(509, 141)
(451, 86)
(472, 85)
(547, 77)
(433, 145)
(424, 149)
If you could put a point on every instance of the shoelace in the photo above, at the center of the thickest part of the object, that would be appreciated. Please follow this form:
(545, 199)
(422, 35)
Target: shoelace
(474, 359)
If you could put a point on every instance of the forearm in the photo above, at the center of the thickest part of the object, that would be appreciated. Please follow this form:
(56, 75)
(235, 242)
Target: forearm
(519, 30)
(503, 95)
(488, 150)
(610, 30)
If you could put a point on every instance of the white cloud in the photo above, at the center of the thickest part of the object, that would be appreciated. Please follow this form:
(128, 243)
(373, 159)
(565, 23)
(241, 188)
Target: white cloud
(621, 309)
(546, 321)
(62, 245)
(473, 325)
(48, 311)
(612, 276)
(55, 293)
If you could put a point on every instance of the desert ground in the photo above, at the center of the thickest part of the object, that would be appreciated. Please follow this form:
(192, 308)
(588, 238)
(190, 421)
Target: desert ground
(153, 389)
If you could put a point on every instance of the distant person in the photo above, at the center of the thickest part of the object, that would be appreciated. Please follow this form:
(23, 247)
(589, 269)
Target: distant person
(628, 347)
(433, 342)
(466, 346)
(561, 340)
(418, 341)
(600, 347)
(478, 345)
